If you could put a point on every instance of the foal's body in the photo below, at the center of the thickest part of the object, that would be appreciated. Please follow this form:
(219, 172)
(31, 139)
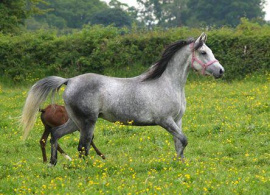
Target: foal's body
(53, 116)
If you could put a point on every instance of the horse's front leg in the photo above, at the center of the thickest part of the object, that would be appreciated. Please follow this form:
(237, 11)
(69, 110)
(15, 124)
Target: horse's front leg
(183, 142)
(180, 140)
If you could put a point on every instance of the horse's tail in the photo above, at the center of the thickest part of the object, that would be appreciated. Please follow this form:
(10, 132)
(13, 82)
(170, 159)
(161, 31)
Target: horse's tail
(36, 96)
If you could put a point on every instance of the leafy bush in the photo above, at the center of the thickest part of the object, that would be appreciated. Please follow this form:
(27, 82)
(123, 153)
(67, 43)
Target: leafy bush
(117, 52)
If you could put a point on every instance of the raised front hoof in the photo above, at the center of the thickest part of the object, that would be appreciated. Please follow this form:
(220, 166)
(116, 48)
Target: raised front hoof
(102, 156)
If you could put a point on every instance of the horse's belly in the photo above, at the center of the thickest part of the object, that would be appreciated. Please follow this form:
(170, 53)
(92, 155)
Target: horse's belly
(128, 118)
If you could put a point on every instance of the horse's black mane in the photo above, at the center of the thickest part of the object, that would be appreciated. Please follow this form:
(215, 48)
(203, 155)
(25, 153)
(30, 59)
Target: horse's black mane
(160, 66)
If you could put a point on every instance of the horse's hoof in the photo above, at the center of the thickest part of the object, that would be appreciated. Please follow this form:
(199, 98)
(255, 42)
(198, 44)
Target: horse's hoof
(50, 165)
(102, 156)
(183, 160)
(52, 162)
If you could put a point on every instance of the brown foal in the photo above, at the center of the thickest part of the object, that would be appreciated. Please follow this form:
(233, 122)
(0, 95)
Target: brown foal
(53, 116)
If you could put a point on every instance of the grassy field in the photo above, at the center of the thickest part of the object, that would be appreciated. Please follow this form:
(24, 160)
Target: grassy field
(227, 125)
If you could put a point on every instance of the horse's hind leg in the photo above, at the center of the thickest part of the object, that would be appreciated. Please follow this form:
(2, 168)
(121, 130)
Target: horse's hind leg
(43, 141)
(57, 133)
(97, 150)
(86, 135)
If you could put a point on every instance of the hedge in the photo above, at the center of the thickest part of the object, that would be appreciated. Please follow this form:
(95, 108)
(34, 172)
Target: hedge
(121, 52)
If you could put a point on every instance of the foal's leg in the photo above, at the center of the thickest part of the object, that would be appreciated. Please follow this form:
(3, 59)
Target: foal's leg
(57, 133)
(63, 153)
(43, 141)
(180, 140)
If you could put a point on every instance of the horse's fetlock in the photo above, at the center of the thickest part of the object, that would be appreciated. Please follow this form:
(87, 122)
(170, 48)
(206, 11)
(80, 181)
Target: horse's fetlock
(184, 141)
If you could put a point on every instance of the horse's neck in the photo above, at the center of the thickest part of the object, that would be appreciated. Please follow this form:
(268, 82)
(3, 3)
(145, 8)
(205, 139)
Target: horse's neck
(177, 70)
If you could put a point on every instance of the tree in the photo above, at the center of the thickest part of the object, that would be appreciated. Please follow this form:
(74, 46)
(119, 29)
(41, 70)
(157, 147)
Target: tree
(223, 12)
(13, 13)
(70, 13)
(164, 13)
(115, 16)
(171, 14)
(147, 13)
(117, 4)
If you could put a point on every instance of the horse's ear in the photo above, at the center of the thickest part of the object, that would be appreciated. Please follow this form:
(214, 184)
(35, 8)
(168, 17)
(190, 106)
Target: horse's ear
(204, 37)
(200, 41)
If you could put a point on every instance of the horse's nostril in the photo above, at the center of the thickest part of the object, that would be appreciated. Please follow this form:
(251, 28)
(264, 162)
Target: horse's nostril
(221, 71)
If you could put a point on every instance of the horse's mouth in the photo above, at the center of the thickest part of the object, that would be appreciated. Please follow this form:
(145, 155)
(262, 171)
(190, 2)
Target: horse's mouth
(217, 76)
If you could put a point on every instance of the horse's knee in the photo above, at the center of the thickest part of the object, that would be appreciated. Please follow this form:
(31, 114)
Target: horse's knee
(181, 139)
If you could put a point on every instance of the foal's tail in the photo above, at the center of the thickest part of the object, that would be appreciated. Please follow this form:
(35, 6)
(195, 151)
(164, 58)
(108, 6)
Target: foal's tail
(36, 96)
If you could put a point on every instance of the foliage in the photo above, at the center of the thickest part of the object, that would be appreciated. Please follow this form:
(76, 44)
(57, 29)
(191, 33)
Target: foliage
(115, 16)
(227, 125)
(117, 52)
(223, 12)
(70, 13)
(35, 55)
(162, 13)
(117, 4)
(13, 13)
(75, 14)
(198, 13)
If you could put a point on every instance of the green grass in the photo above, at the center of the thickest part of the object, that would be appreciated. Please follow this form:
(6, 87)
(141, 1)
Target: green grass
(227, 125)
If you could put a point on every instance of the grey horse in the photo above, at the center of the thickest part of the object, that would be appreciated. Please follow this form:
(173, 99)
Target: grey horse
(156, 97)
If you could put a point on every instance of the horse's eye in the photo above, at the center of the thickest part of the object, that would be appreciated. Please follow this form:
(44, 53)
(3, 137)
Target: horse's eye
(203, 52)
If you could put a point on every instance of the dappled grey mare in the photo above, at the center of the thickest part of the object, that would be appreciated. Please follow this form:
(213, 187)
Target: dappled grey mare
(155, 97)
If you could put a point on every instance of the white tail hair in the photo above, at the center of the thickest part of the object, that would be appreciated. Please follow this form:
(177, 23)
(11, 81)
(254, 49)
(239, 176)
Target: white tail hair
(36, 96)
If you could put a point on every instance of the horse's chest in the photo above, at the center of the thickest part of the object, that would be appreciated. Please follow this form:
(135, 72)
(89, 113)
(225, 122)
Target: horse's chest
(181, 107)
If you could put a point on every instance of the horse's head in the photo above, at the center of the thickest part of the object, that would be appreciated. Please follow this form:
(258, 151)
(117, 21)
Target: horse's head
(203, 59)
